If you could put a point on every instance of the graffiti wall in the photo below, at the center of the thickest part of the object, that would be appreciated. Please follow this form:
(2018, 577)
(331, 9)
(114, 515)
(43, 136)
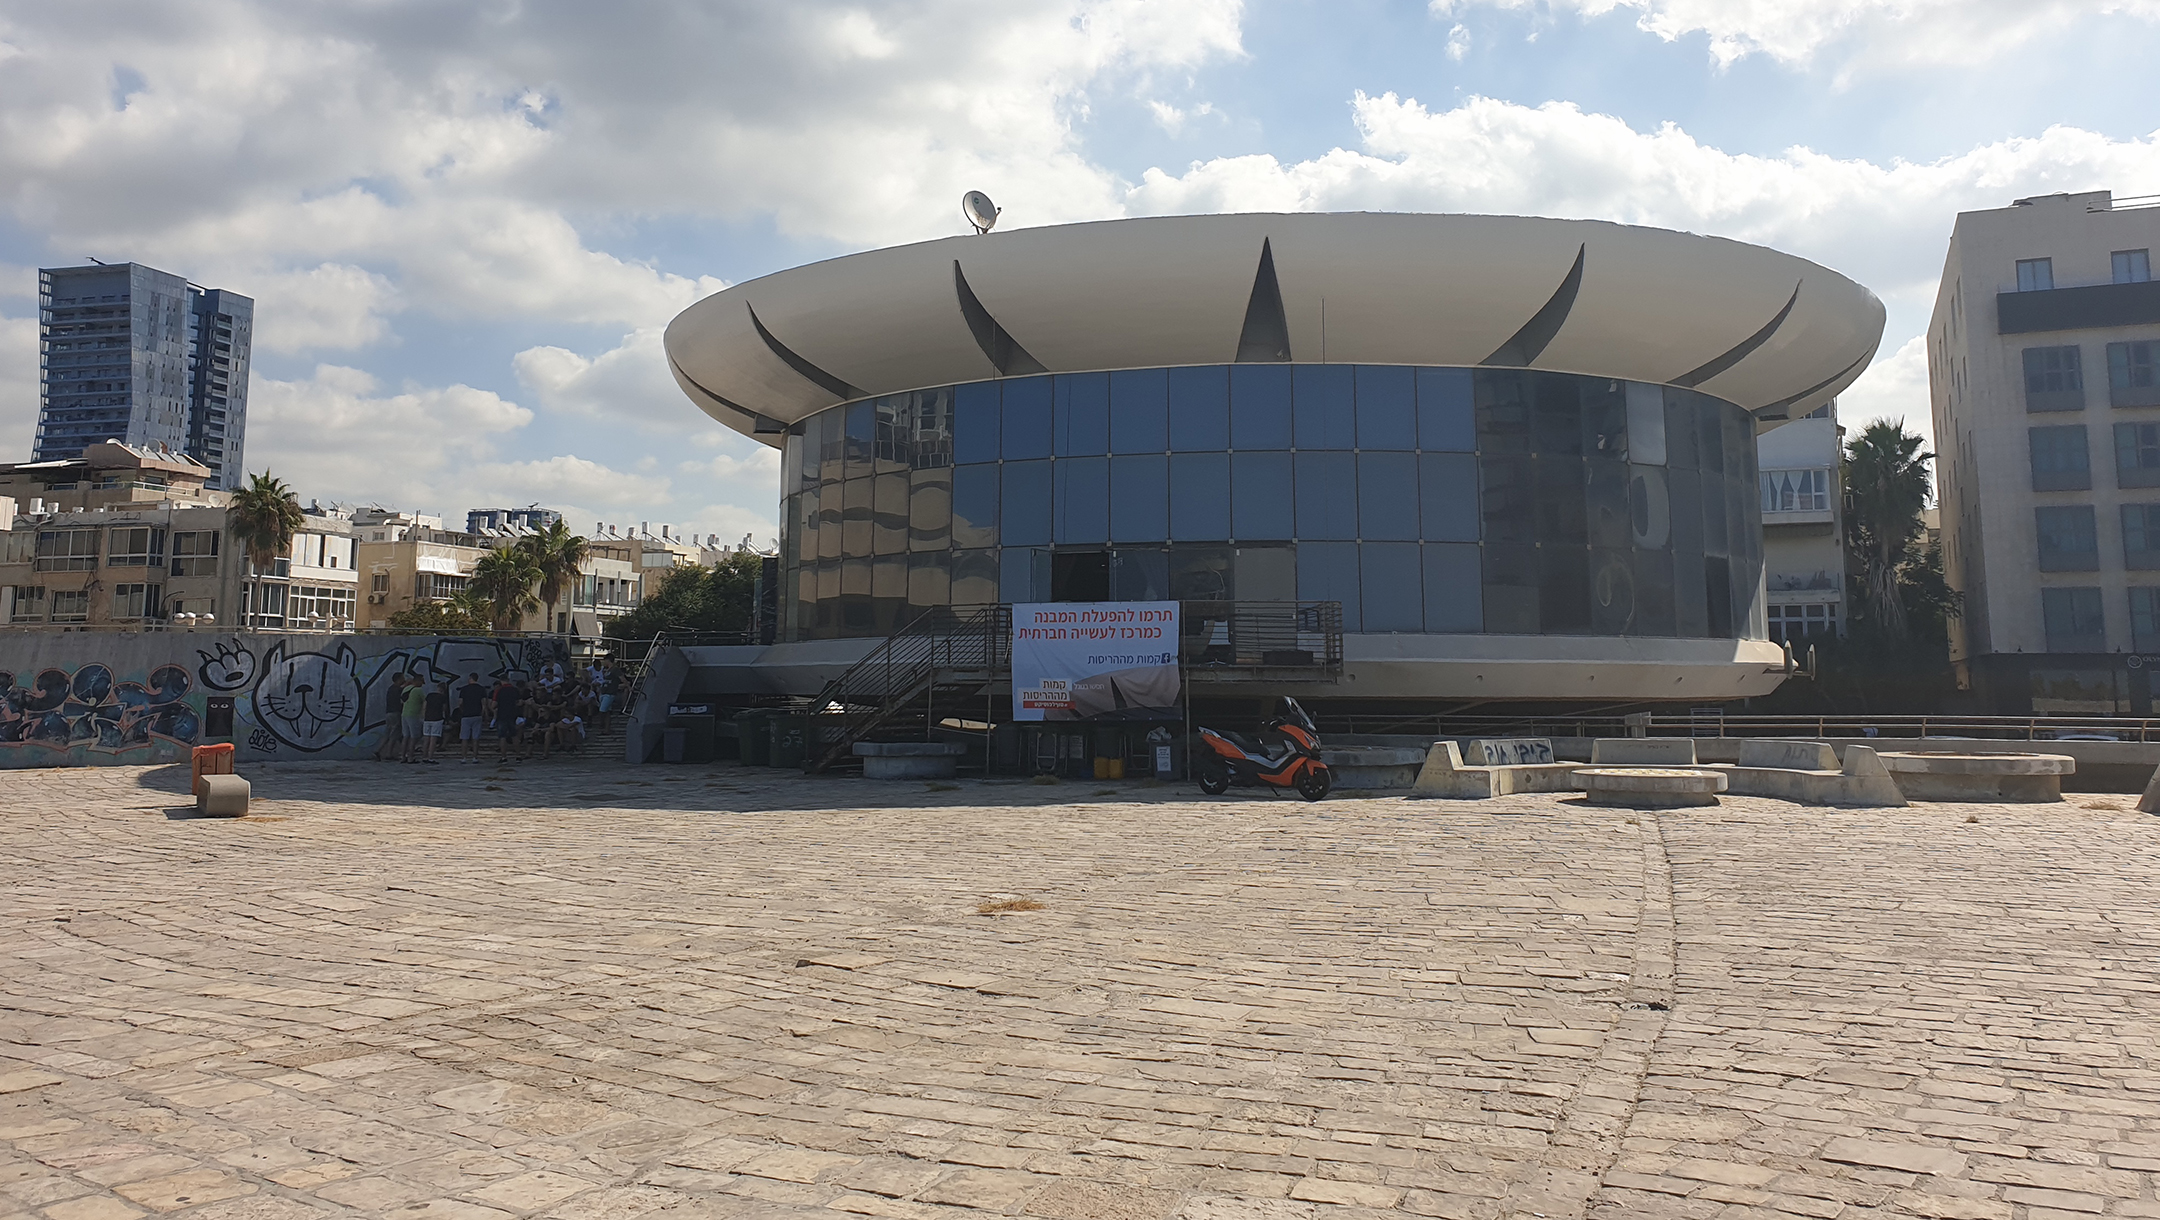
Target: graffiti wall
(87, 699)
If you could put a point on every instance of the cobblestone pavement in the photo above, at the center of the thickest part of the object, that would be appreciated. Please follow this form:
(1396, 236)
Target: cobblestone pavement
(594, 992)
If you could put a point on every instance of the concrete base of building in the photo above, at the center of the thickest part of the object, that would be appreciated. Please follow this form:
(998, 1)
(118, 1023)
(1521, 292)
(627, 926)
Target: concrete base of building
(909, 759)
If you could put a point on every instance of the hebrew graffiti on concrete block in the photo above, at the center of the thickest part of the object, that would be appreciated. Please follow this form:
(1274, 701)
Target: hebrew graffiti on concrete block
(85, 699)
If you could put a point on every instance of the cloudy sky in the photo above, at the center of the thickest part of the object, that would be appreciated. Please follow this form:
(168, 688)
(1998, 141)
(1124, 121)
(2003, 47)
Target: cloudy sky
(465, 224)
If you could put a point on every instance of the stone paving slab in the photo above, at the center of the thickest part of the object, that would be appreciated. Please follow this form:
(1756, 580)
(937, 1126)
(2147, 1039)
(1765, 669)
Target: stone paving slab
(590, 992)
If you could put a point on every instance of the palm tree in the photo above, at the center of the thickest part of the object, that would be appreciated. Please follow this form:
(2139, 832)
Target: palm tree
(505, 577)
(556, 553)
(263, 517)
(1886, 489)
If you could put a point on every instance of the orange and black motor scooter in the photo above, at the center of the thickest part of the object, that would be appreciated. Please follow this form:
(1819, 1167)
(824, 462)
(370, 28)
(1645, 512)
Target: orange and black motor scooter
(1230, 761)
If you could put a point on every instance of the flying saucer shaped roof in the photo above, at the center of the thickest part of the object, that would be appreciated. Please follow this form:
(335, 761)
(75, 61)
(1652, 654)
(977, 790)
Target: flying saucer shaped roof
(1776, 334)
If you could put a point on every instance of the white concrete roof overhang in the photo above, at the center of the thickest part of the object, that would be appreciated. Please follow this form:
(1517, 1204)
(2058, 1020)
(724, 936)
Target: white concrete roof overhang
(1777, 334)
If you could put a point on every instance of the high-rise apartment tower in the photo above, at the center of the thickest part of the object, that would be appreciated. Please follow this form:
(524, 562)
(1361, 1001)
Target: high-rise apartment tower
(2044, 368)
(141, 356)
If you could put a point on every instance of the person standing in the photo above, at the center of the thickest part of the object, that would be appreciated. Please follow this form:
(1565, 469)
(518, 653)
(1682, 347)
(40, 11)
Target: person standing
(433, 710)
(393, 706)
(508, 702)
(472, 713)
(415, 703)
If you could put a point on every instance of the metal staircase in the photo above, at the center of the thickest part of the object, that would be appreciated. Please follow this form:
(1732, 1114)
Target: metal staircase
(944, 648)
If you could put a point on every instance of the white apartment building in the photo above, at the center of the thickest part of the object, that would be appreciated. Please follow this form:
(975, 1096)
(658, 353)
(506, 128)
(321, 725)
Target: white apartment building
(2044, 375)
(1803, 527)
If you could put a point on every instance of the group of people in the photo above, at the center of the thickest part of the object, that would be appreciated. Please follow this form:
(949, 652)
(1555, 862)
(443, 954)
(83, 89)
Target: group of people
(555, 710)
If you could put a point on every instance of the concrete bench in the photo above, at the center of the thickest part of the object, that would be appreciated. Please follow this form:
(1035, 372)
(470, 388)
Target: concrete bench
(1444, 776)
(1650, 787)
(1990, 778)
(909, 759)
(1808, 773)
(1642, 752)
(221, 796)
(1508, 751)
(1373, 767)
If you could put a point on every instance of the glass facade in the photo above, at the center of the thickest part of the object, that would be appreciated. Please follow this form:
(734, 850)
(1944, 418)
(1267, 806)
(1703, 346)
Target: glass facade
(1435, 500)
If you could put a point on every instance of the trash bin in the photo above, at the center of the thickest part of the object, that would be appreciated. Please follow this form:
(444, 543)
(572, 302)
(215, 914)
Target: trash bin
(756, 734)
(700, 728)
(790, 739)
(671, 744)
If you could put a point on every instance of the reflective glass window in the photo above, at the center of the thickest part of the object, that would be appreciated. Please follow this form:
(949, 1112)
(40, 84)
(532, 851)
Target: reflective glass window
(1684, 491)
(1387, 495)
(1564, 590)
(1507, 496)
(1324, 406)
(2069, 541)
(1691, 613)
(1654, 593)
(1200, 496)
(1645, 424)
(1200, 408)
(1391, 586)
(1259, 406)
(2145, 619)
(1260, 496)
(1738, 429)
(1139, 574)
(974, 577)
(1604, 417)
(889, 514)
(1327, 495)
(888, 594)
(1140, 411)
(1202, 573)
(1709, 436)
(974, 505)
(1717, 594)
(1612, 591)
(791, 450)
(976, 411)
(1024, 574)
(1453, 598)
(830, 498)
(1083, 499)
(1680, 429)
(2073, 619)
(1649, 508)
(855, 519)
(1140, 498)
(1026, 418)
(1559, 503)
(1606, 514)
(1447, 497)
(1510, 589)
(2141, 536)
(1501, 411)
(1446, 421)
(1082, 413)
(1264, 574)
(1386, 407)
(860, 421)
(1716, 536)
(930, 510)
(932, 445)
(832, 446)
(806, 525)
(929, 581)
(1024, 506)
(1328, 571)
(1556, 418)
(895, 448)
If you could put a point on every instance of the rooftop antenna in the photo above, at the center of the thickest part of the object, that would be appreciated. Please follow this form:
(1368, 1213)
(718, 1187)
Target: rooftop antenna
(979, 211)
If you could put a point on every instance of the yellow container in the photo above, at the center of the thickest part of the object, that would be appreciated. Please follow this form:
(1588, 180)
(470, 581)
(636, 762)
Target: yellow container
(1109, 768)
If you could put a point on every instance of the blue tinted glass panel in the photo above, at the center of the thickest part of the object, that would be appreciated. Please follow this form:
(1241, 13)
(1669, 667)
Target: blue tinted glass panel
(1140, 498)
(1326, 414)
(1200, 497)
(1083, 499)
(1260, 500)
(1448, 497)
(1083, 414)
(1387, 495)
(1025, 516)
(1328, 572)
(1391, 586)
(974, 505)
(1327, 495)
(1140, 411)
(1259, 406)
(1453, 601)
(861, 437)
(1026, 418)
(1200, 408)
(1023, 575)
(1386, 407)
(975, 422)
(1446, 421)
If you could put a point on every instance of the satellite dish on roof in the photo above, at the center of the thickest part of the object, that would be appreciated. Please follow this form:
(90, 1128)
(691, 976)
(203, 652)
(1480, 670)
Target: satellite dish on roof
(979, 211)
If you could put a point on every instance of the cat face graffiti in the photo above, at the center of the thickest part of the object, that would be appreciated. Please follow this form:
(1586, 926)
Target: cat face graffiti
(308, 699)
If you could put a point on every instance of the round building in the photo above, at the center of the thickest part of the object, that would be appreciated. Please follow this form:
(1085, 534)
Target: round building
(1518, 452)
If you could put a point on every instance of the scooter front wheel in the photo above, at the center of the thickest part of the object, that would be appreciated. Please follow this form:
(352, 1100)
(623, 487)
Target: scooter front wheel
(1214, 781)
(1316, 783)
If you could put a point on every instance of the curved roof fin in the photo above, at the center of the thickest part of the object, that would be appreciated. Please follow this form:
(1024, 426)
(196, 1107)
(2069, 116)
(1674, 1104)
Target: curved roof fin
(1519, 351)
(1784, 405)
(1742, 349)
(1266, 336)
(1005, 353)
(817, 376)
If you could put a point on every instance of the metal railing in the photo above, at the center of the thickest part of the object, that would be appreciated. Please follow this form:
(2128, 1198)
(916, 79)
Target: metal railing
(1230, 640)
(937, 642)
(1713, 722)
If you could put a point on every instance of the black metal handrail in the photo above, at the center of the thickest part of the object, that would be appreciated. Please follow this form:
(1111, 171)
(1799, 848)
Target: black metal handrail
(938, 641)
(1218, 638)
(1715, 722)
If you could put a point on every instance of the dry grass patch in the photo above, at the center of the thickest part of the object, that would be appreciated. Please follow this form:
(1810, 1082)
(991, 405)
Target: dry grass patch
(1008, 906)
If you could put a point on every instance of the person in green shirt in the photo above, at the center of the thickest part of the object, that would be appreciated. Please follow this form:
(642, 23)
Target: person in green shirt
(415, 702)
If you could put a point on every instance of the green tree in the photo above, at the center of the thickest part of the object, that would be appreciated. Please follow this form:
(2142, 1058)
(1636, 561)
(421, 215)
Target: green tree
(717, 599)
(556, 554)
(1886, 489)
(505, 578)
(263, 517)
(458, 614)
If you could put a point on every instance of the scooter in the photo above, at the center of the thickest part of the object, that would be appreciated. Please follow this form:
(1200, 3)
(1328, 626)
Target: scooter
(1232, 761)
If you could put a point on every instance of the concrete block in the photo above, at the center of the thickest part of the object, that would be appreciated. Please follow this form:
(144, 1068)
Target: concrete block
(909, 759)
(1642, 752)
(1374, 767)
(1444, 776)
(2150, 802)
(1788, 755)
(1863, 783)
(222, 796)
(1650, 787)
(1990, 778)
(1509, 751)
